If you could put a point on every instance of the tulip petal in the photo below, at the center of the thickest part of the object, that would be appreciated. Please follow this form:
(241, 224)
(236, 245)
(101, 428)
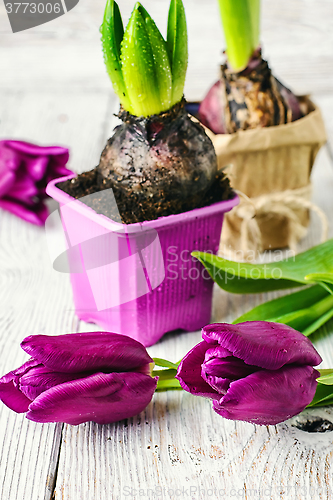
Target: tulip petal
(8, 166)
(269, 397)
(101, 398)
(220, 369)
(218, 362)
(81, 352)
(23, 189)
(57, 166)
(25, 170)
(36, 167)
(7, 179)
(34, 150)
(219, 384)
(39, 379)
(12, 397)
(264, 344)
(36, 214)
(10, 393)
(189, 373)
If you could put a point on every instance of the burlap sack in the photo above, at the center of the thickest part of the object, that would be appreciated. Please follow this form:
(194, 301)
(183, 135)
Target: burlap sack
(272, 167)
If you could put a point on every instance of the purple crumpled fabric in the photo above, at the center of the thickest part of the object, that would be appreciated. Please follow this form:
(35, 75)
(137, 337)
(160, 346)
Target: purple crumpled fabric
(257, 371)
(25, 170)
(101, 377)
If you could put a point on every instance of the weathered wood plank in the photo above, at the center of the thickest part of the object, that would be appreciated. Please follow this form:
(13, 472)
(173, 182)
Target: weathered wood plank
(34, 298)
(296, 35)
(54, 89)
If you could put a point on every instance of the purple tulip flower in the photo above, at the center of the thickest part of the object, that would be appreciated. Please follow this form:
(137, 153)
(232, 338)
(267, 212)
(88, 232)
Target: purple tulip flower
(25, 170)
(256, 371)
(102, 377)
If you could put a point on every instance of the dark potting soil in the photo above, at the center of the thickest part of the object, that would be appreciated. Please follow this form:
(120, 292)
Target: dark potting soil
(130, 209)
(153, 167)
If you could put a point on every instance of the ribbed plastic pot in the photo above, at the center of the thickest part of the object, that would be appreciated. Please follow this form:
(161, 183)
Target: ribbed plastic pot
(140, 279)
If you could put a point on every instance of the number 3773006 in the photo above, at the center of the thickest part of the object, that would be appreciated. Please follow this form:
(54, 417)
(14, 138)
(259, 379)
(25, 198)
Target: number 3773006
(33, 8)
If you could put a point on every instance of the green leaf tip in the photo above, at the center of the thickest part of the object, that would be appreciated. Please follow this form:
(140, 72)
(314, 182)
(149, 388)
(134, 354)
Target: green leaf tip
(178, 48)
(147, 73)
(112, 34)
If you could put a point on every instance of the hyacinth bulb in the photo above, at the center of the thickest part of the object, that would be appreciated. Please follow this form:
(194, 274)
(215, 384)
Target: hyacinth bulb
(248, 99)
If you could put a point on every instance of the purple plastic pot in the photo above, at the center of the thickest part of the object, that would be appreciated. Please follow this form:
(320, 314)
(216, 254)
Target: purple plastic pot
(140, 279)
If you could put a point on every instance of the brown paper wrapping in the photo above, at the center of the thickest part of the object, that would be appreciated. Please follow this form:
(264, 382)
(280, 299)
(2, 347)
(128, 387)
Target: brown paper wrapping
(270, 160)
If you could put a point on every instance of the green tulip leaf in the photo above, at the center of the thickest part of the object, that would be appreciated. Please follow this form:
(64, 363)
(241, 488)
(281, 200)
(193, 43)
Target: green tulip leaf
(236, 277)
(112, 34)
(326, 377)
(324, 279)
(328, 277)
(162, 67)
(323, 396)
(305, 311)
(138, 66)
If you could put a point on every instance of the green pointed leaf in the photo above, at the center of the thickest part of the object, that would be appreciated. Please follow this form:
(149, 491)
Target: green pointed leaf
(138, 67)
(161, 61)
(304, 311)
(320, 321)
(178, 49)
(112, 34)
(236, 277)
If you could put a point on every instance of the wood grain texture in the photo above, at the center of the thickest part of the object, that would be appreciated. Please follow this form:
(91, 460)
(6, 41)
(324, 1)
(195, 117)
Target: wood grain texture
(54, 89)
(180, 444)
(297, 39)
(33, 297)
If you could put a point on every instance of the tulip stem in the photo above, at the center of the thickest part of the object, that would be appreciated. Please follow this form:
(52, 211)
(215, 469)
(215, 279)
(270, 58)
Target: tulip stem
(166, 377)
(168, 385)
(165, 363)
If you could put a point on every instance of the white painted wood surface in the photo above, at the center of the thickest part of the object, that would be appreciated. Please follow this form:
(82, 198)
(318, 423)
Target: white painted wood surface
(54, 89)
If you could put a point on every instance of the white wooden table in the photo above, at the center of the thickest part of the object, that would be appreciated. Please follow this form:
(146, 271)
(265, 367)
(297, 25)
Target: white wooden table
(54, 90)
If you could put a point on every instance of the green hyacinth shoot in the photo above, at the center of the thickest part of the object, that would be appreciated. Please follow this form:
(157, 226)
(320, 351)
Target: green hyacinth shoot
(147, 72)
(241, 26)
